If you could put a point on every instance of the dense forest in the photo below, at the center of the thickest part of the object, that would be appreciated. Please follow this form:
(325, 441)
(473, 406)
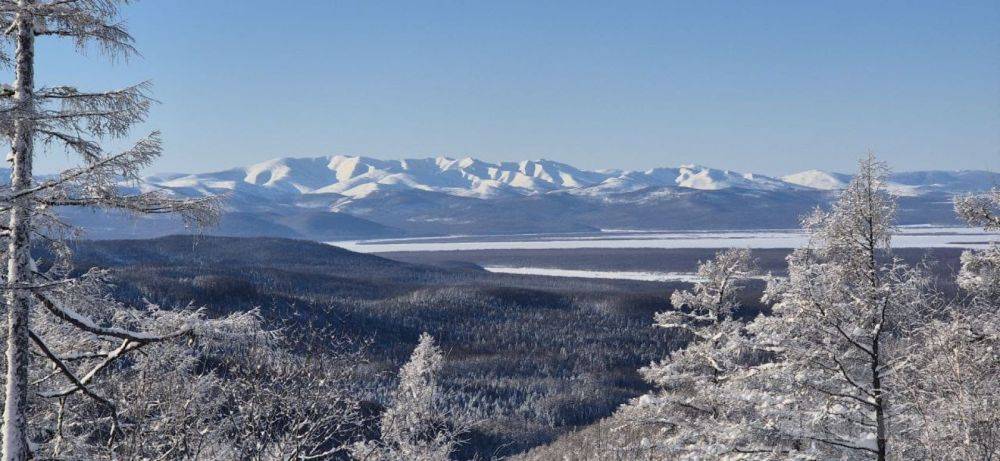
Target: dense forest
(529, 357)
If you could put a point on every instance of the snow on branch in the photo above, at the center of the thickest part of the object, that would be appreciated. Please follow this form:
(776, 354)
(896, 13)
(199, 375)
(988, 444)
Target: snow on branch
(197, 212)
(125, 347)
(229, 333)
(84, 323)
(80, 385)
(87, 149)
(87, 22)
(980, 210)
(125, 165)
(110, 113)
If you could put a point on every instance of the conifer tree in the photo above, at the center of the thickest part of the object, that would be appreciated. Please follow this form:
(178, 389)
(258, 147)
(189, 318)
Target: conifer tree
(841, 318)
(417, 425)
(77, 121)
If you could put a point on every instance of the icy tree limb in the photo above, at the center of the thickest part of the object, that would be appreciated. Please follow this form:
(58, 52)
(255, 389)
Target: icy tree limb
(140, 155)
(88, 325)
(980, 210)
(69, 373)
(202, 211)
(127, 346)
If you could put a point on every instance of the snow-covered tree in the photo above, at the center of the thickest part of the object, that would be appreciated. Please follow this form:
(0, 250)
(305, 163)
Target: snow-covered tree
(839, 324)
(980, 272)
(949, 388)
(951, 381)
(714, 296)
(284, 404)
(76, 121)
(858, 360)
(159, 402)
(708, 390)
(981, 210)
(705, 313)
(417, 425)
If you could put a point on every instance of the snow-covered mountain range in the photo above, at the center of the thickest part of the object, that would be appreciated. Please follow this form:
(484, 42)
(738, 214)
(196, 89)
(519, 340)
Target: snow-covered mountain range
(359, 177)
(907, 183)
(357, 197)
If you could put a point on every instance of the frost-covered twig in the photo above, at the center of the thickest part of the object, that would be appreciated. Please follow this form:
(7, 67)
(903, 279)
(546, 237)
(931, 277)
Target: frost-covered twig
(84, 323)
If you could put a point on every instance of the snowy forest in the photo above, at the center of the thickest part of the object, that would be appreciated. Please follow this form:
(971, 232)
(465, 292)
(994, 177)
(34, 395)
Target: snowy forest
(848, 350)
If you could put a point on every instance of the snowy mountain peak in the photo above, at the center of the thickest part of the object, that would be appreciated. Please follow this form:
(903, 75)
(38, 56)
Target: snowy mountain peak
(443, 195)
(355, 177)
(818, 179)
(905, 183)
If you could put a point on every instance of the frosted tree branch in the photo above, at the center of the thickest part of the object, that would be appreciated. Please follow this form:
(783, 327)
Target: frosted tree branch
(83, 323)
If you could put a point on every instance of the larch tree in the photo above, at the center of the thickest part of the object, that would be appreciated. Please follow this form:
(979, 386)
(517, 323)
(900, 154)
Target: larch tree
(951, 383)
(706, 314)
(417, 425)
(949, 388)
(839, 325)
(705, 391)
(859, 358)
(980, 272)
(65, 117)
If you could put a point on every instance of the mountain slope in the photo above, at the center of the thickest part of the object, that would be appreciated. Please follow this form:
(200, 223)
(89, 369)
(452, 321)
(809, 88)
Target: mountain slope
(816, 179)
(905, 183)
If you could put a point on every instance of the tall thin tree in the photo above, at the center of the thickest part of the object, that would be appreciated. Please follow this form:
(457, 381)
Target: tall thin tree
(693, 405)
(78, 121)
(841, 315)
(417, 426)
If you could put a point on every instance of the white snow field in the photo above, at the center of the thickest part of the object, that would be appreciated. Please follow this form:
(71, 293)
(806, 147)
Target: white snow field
(908, 237)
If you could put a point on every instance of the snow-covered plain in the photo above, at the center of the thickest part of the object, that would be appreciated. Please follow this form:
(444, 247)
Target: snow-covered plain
(908, 237)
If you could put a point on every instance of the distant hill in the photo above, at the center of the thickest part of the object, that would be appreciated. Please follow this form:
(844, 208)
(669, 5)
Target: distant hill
(343, 198)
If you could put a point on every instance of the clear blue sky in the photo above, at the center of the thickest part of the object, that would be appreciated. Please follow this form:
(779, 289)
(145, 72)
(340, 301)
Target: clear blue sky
(764, 86)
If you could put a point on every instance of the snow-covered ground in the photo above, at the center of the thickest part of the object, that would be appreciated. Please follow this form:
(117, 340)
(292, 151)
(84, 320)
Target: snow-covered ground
(908, 237)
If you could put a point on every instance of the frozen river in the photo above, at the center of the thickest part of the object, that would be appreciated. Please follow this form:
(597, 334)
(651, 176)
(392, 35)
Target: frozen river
(908, 237)
(588, 274)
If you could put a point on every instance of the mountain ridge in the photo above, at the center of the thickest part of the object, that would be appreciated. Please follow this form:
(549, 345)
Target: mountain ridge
(358, 176)
(352, 197)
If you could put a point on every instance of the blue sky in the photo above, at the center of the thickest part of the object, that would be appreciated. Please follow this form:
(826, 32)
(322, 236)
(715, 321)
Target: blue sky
(764, 86)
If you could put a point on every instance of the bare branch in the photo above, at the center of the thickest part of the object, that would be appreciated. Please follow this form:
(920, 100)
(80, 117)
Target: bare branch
(80, 386)
(126, 346)
(126, 165)
(87, 22)
(88, 325)
(198, 212)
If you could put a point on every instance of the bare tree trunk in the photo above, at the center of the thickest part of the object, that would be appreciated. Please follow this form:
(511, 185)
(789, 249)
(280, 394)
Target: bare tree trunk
(882, 436)
(871, 193)
(15, 423)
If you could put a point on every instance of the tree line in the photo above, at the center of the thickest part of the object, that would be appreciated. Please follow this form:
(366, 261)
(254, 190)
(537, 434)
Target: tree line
(859, 356)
